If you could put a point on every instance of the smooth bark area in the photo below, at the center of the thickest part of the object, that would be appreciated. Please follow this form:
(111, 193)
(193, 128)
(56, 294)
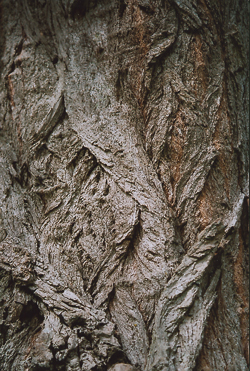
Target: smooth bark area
(124, 185)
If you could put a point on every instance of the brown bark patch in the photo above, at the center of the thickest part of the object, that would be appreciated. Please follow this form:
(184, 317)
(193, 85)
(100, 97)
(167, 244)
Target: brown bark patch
(221, 140)
(206, 12)
(200, 70)
(12, 91)
(176, 146)
(204, 208)
(174, 154)
(140, 38)
(213, 337)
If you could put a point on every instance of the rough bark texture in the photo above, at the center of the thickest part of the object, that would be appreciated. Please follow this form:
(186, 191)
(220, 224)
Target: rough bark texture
(124, 185)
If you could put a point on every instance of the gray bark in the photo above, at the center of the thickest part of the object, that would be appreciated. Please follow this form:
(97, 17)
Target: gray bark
(124, 185)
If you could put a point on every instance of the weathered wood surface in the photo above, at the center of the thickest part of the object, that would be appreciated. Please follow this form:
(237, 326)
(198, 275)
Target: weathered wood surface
(124, 185)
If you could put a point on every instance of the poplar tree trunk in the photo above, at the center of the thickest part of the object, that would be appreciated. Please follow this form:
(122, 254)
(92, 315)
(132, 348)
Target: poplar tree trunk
(124, 185)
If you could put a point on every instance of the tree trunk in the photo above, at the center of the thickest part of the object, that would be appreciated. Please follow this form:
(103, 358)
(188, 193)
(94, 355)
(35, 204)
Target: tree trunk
(124, 185)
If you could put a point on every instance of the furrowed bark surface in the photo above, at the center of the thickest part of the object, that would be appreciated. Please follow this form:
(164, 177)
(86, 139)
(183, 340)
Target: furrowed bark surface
(124, 185)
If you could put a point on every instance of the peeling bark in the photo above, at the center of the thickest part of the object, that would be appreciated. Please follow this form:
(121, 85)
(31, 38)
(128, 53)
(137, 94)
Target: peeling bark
(124, 185)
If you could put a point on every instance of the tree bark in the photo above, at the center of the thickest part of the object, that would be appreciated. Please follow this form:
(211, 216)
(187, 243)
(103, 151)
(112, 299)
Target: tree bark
(124, 185)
